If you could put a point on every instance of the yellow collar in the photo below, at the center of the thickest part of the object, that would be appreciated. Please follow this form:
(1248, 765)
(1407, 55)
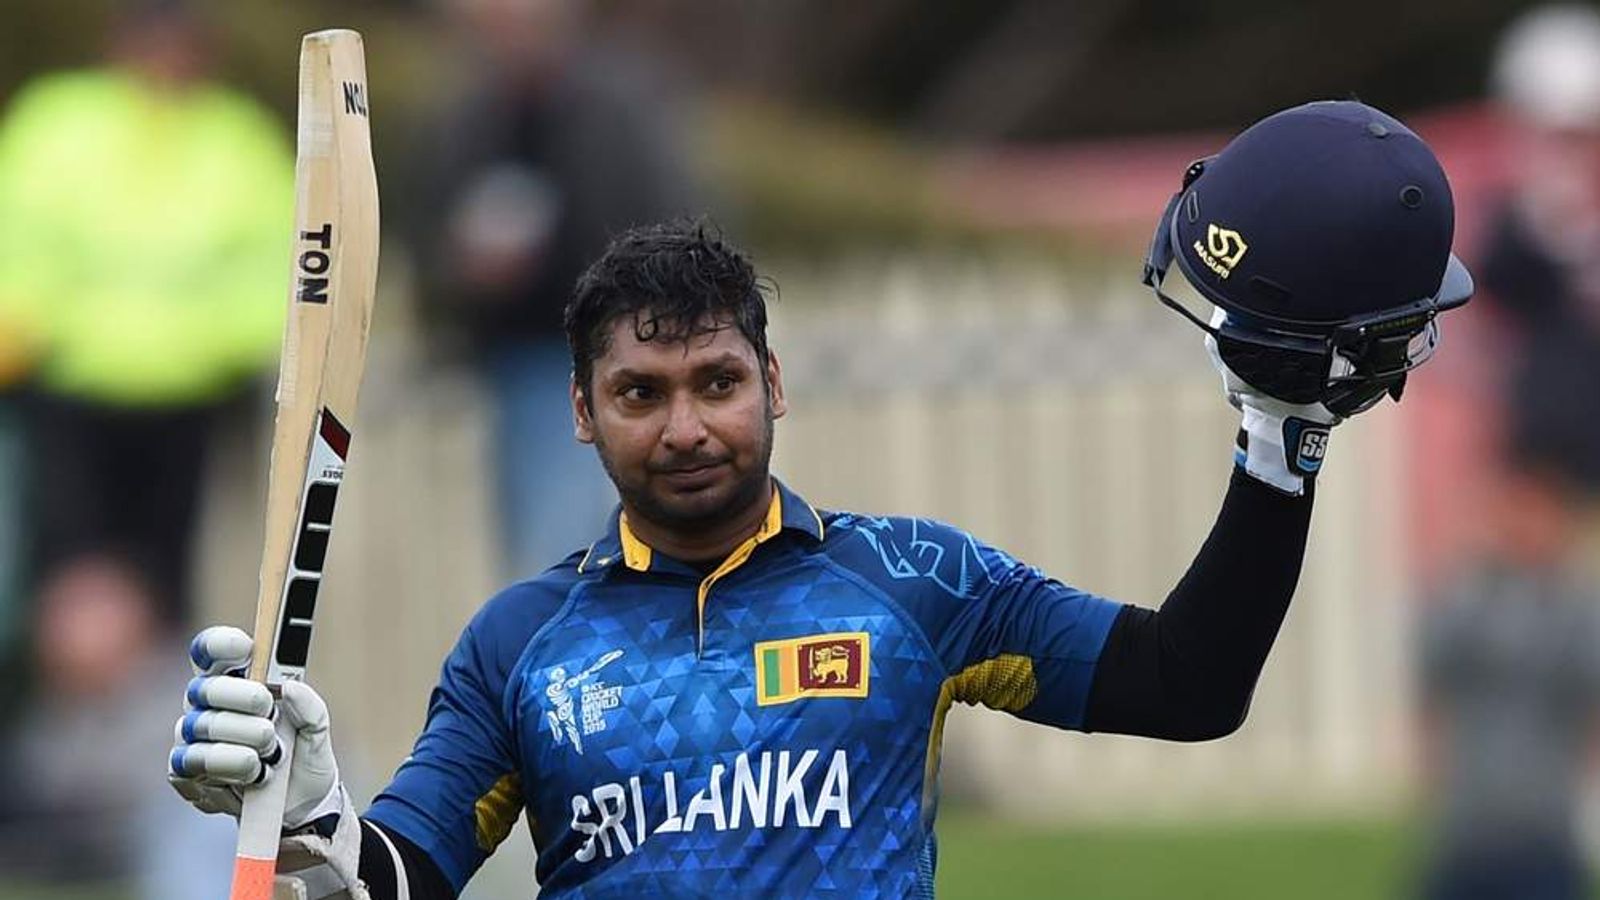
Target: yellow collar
(636, 554)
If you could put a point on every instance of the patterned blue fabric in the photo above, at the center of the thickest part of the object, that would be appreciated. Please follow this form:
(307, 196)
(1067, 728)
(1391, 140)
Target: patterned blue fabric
(646, 764)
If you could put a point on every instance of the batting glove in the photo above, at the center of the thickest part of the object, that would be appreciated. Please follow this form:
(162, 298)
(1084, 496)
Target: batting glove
(225, 742)
(1280, 443)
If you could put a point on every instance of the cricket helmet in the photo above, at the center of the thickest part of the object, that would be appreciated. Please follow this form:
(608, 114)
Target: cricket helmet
(1322, 234)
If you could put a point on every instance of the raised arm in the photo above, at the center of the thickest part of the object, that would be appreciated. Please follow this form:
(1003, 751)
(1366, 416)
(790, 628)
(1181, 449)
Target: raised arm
(1186, 671)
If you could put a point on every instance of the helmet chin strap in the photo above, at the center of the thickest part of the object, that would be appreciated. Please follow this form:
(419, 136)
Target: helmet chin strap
(1341, 382)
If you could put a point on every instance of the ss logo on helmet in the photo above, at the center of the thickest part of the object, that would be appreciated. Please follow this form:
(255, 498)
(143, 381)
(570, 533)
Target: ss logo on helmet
(1222, 250)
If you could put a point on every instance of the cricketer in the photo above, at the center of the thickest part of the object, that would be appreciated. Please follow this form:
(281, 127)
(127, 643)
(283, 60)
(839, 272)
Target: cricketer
(734, 693)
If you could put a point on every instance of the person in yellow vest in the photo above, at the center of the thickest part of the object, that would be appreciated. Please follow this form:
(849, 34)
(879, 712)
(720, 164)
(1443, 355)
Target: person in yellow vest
(145, 215)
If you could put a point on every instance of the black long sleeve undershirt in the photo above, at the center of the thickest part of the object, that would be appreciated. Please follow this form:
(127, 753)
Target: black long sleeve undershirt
(1187, 671)
(423, 879)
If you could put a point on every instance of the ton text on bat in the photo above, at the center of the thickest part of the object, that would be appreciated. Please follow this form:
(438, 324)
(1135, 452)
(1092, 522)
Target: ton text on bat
(313, 265)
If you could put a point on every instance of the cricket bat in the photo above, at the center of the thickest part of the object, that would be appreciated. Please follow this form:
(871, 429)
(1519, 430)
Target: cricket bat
(335, 270)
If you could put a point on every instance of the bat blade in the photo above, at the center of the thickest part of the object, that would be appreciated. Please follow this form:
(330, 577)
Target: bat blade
(319, 377)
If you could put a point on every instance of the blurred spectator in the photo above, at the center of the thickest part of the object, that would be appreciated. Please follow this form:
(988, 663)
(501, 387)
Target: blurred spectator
(1537, 267)
(1510, 651)
(1511, 655)
(1541, 264)
(555, 143)
(77, 803)
(144, 217)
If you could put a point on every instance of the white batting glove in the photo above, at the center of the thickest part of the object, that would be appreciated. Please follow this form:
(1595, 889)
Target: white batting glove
(225, 739)
(1283, 443)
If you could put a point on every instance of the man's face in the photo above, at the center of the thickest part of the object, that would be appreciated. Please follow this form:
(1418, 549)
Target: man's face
(684, 429)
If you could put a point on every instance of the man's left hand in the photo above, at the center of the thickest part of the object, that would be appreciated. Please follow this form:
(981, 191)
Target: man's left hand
(1280, 443)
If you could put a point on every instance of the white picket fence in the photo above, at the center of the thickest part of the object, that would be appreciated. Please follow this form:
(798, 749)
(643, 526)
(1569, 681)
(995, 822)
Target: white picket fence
(1061, 415)
(1073, 421)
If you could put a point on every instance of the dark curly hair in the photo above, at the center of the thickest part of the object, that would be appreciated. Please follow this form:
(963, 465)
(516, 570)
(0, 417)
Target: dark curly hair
(677, 280)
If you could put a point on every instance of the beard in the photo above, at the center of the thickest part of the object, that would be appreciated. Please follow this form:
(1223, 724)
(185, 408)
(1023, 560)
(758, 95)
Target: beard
(697, 511)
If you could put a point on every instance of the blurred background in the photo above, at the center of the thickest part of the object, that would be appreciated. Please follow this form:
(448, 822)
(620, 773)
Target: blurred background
(954, 198)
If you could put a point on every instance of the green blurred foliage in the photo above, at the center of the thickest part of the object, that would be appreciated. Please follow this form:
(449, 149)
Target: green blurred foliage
(981, 856)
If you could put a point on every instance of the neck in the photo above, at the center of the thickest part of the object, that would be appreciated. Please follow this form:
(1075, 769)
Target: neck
(711, 543)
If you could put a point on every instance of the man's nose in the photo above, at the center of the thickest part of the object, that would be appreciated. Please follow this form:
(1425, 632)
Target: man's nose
(685, 427)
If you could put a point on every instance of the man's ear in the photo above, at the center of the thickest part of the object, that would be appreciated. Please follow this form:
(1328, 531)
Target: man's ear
(582, 420)
(775, 385)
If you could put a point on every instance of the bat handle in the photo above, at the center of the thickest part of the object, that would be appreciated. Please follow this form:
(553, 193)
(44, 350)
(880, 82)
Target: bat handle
(261, 825)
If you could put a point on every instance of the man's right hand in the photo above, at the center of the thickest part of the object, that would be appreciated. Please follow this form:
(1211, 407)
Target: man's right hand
(225, 740)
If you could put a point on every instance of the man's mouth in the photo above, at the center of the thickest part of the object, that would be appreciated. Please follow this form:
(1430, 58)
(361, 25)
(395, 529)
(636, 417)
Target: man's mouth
(694, 475)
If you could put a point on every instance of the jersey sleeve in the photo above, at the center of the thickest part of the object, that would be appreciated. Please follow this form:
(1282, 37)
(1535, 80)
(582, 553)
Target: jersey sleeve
(458, 794)
(1009, 636)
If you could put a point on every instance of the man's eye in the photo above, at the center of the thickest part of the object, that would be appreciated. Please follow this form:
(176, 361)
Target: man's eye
(723, 384)
(638, 393)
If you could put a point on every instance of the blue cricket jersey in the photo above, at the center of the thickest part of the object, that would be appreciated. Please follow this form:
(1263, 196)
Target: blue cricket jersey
(769, 729)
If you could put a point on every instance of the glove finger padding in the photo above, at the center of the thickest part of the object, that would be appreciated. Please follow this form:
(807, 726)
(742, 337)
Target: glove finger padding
(240, 695)
(219, 650)
(201, 725)
(217, 763)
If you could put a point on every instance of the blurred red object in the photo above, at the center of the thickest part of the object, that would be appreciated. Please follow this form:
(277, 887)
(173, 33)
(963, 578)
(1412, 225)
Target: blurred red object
(1115, 188)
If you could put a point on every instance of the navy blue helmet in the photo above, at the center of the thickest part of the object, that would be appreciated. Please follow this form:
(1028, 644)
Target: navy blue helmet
(1322, 233)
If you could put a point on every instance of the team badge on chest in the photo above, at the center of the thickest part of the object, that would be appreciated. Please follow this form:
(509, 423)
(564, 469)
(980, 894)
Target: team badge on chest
(819, 665)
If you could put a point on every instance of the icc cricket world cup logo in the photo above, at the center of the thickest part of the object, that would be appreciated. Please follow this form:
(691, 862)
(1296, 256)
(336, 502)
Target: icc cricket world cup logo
(563, 715)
